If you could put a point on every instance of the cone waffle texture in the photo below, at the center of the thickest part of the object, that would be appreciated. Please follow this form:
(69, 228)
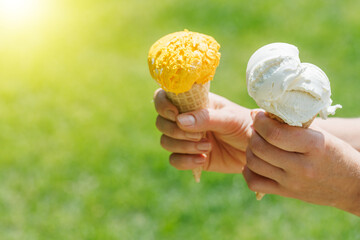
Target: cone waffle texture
(307, 124)
(304, 125)
(196, 98)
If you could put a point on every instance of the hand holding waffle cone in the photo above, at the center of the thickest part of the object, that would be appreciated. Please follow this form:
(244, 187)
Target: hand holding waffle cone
(184, 63)
(288, 90)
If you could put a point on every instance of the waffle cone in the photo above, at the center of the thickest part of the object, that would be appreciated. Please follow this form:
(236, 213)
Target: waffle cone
(307, 124)
(304, 125)
(196, 98)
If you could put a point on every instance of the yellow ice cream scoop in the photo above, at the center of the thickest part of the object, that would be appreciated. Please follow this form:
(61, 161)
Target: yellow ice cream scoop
(179, 60)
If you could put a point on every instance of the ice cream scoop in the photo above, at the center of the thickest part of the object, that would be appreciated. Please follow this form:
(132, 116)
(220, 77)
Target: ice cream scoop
(179, 60)
(184, 63)
(280, 84)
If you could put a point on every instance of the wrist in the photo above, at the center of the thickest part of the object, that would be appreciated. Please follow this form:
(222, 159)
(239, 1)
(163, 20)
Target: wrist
(353, 200)
(356, 210)
(354, 206)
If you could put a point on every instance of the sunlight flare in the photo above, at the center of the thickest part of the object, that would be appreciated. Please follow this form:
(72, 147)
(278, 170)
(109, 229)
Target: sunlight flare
(15, 12)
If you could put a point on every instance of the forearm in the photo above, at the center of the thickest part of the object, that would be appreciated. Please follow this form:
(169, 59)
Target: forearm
(347, 129)
(353, 204)
(352, 200)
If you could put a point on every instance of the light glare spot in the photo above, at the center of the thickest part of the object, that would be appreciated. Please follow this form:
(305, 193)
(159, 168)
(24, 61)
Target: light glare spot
(14, 12)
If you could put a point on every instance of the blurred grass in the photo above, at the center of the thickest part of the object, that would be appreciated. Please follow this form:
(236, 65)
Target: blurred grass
(79, 152)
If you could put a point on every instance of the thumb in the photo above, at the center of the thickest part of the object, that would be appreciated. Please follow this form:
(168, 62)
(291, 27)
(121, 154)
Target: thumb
(207, 120)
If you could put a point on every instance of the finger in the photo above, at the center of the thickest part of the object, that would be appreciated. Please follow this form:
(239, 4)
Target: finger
(289, 138)
(215, 120)
(259, 183)
(187, 161)
(183, 146)
(163, 105)
(172, 130)
(271, 154)
(263, 168)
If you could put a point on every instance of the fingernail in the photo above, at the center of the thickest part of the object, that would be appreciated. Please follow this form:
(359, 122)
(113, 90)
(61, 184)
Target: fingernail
(204, 146)
(195, 136)
(170, 114)
(199, 160)
(186, 120)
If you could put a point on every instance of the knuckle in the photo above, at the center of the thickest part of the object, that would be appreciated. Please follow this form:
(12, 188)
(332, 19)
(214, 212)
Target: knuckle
(158, 123)
(309, 171)
(273, 134)
(187, 147)
(317, 146)
(202, 116)
(253, 185)
(171, 131)
(160, 101)
(250, 159)
(178, 161)
(163, 141)
(256, 143)
(172, 161)
(157, 93)
(167, 127)
(181, 148)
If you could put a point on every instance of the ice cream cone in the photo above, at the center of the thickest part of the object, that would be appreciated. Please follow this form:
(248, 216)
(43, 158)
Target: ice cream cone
(289, 90)
(304, 125)
(184, 63)
(196, 98)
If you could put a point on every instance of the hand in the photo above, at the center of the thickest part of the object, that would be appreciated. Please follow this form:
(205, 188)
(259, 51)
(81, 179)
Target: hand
(227, 127)
(307, 164)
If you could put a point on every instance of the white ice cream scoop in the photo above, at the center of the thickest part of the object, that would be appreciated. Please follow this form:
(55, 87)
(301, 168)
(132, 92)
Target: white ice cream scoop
(287, 88)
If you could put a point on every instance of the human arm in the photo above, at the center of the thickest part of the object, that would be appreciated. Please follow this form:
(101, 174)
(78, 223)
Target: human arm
(307, 164)
(347, 129)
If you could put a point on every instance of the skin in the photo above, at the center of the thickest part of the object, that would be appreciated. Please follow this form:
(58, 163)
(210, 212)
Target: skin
(287, 161)
(227, 127)
(320, 165)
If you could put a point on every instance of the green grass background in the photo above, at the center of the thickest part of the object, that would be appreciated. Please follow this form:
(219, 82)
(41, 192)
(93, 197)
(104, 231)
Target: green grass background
(79, 152)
